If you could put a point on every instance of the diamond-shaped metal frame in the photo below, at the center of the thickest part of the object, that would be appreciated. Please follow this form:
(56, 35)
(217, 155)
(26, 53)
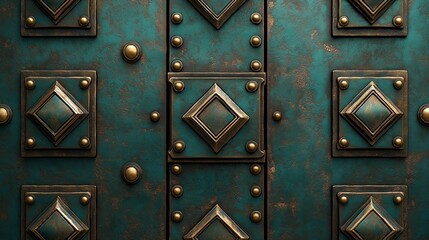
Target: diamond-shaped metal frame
(216, 141)
(217, 19)
(216, 213)
(57, 15)
(349, 113)
(372, 15)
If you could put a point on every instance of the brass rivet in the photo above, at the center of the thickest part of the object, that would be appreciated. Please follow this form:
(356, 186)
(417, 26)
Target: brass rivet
(84, 142)
(256, 216)
(176, 169)
(30, 84)
(256, 18)
(176, 216)
(84, 84)
(277, 116)
(251, 146)
(176, 65)
(177, 191)
(256, 191)
(424, 114)
(251, 86)
(343, 142)
(344, 21)
(5, 114)
(29, 199)
(344, 84)
(398, 142)
(84, 21)
(255, 169)
(398, 84)
(179, 146)
(398, 199)
(255, 41)
(256, 66)
(176, 41)
(155, 116)
(343, 199)
(131, 52)
(176, 18)
(178, 86)
(30, 21)
(131, 173)
(398, 21)
(31, 142)
(84, 200)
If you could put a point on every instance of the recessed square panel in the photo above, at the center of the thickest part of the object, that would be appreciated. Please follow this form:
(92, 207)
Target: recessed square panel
(71, 18)
(58, 212)
(58, 113)
(370, 112)
(370, 18)
(369, 212)
(216, 116)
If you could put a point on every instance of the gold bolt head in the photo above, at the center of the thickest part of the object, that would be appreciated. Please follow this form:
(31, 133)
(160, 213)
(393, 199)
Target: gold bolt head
(179, 146)
(256, 66)
(344, 21)
(344, 84)
(176, 65)
(176, 41)
(177, 191)
(424, 114)
(255, 169)
(398, 142)
(176, 18)
(176, 216)
(256, 18)
(155, 116)
(84, 21)
(398, 199)
(398, 21)
(343, 142)
(256, 191)
(29, 199)
(179, 86)
(255, 41)
(84, 142)
(84, 200)
(251, 86)
(31, 142)
(84, 84)
(30, 21)
(398, 84)
(131, 174)
(251, 146)
(176, 169)
(131, 52)
(277, 116)
(5, 114)
(30, 84)
(256, 216)
(343, 199)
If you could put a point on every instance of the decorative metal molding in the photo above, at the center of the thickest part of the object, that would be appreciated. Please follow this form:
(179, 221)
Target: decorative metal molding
(371, 113)
(66, 110)
(217, 19)
(372, 12)
(57, 13)
(216, 213)
(216, 137)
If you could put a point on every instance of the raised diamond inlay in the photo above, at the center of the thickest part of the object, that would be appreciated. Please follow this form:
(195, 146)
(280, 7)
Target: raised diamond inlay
(216, 117)
(372, 10)
(58, 222)
(372, 222)
(57, 113)
(56, 10)
(371, 113)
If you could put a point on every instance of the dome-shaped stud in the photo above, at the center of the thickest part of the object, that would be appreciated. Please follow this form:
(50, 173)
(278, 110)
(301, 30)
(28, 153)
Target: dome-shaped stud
(398, 199)
(176, 169)
(176, 65)
(398, 84)
(84, 200)
(178, 86)
(344, 84)
(251, 146)
(5, 114)
(176, 216)
(424, 114)
(398, 21)
(155, 116)
(398, 142)
(176, 18)
(255, 41)
(251, 86)
(84, 142)
(343, 199)
(83, 21)
(343, 142)
(256, 66)
(256, 216)
(177, 191)
(30, 21)
(176, 41)
(343, 21)
(84, 84)
(131, 173)
(256, 18)
(131, 52)
(255, 191)
(30, 84)
(277, 116)
(29, 199)
(255, 169)
(31, 142)
(179, 146)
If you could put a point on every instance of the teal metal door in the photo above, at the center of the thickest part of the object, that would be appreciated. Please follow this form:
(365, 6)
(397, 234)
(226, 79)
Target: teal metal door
(204, 119)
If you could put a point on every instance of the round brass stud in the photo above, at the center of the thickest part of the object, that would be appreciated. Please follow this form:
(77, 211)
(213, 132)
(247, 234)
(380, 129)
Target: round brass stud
(178, 86)
(84, 200)
(251, 146)
(31, 142)
(398, 199)
(251, 86)
(5, 114)
(343, 142)
(84, 84)
(256, 66)
(131, 52)
(30, 21)
(177, 191)
(83, 21)
(256, 18)
(176, 41)
(176, 66)
(84, 142)
(176, 216)
(29, 199)
(255, 169)
(30, 84)
(344, 84)
(255, 41)
(398, 84)
(424, 114)
(398, 142)
(131, 173)
(179, 146)
(256, 216)
(344, 21)
(343, 199)
(398, 21)
(256, 191)
(277, 116)
(176, 18)
(155, 116)
(176, 169)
